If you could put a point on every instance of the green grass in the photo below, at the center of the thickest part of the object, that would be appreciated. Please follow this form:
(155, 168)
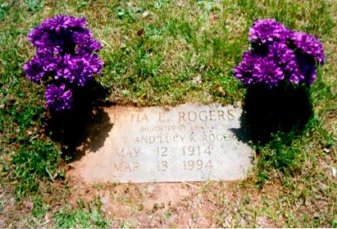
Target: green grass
(166, 53)
(84, 216)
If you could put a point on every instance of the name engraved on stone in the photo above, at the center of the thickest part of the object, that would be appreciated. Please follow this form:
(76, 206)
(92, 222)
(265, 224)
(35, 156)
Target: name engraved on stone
(185, 143)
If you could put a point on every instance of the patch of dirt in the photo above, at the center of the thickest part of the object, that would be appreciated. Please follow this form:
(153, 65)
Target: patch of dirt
(195, 204)
(153, 204)
(263, 221)
(7, 203)
(185, 204)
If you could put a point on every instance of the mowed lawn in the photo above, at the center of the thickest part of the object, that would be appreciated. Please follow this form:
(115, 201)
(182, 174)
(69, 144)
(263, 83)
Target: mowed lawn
(167, 53)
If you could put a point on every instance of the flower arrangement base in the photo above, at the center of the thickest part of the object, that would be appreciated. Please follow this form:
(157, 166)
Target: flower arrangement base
(69, 127)
(285, 108)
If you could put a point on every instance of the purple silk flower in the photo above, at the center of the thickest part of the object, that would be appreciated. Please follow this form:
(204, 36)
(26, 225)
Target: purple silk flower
(279, 54)
(65, 55)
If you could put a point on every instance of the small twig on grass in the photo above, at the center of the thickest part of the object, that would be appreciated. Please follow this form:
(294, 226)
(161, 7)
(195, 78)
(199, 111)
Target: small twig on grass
(49, 174)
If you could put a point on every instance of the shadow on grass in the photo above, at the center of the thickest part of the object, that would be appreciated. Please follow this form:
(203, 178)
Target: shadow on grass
(285, 109)
(83, 128)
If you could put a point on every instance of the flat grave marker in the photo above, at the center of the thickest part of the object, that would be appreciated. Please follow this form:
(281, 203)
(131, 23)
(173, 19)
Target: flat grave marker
(189, 142)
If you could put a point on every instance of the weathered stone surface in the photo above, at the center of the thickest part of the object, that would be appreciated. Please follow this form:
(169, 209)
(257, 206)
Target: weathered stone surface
(185, 143)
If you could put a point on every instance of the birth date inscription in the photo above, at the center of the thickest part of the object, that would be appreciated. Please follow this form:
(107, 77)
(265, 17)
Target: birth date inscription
(185, 143)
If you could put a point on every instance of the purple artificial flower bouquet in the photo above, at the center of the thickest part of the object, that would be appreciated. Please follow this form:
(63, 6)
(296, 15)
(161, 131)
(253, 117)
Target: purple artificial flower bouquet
(279, 54)
(66, 59)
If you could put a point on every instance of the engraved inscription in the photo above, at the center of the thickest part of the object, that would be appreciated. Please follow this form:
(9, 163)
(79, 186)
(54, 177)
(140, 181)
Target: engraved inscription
(162, 151)
(124, 166)
(185, 143)
(197, 165)
(128, 152)
(206, 115)
(196, 150)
